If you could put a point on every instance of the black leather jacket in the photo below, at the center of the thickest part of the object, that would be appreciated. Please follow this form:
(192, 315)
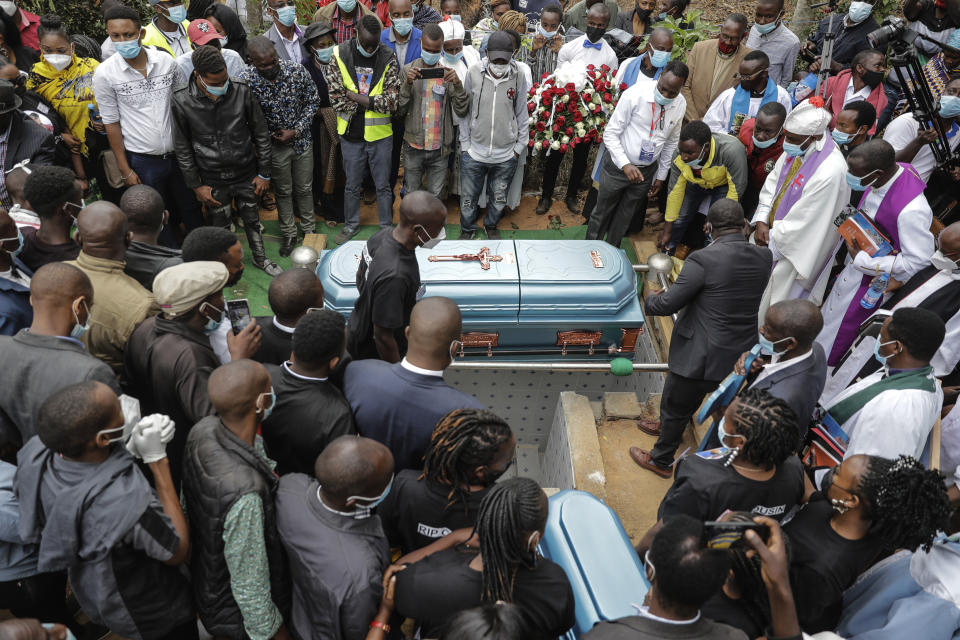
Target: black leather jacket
(222, 142)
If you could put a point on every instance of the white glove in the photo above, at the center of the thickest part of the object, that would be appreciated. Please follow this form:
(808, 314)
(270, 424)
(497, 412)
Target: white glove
(164, 423)
(148, 442)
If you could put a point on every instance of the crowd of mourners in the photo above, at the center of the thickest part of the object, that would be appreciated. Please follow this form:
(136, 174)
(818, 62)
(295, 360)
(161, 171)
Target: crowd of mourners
(167, 472)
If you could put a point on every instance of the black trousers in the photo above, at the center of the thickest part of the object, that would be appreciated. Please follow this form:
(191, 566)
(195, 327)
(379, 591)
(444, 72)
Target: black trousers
(42, 596)
(551, 168)
(680, 400)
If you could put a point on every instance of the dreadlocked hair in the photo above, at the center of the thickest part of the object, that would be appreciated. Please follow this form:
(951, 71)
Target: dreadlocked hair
(769, 426)
(463, 440)
(508, 515)
(906, 502)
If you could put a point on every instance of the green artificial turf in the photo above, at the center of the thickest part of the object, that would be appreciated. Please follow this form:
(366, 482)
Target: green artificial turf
(254, 284)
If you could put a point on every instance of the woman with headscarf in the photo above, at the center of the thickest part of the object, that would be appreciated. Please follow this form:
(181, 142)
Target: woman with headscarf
(226, 21)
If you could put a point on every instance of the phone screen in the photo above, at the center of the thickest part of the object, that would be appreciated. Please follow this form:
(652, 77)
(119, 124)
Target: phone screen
(239, 313)
(722, 535)
(432, 73)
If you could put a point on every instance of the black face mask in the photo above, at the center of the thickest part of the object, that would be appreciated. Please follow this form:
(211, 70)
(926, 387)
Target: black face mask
(643, 14)
(594, 34)
(872, 78)
(271, 73)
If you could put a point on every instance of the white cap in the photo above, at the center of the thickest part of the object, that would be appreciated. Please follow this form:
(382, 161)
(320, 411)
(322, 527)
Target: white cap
(809, 118)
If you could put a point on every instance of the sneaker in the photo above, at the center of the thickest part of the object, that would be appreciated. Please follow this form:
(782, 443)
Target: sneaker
(467, 235)
(344, 235)
(544, 205)
(492, 233)
(572, 204)
(271, 268)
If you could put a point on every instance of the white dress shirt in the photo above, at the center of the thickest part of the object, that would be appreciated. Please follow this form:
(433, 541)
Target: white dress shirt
(637, 121)
(902, 132)
(574, 50)
(141, 105)
(717, 116)
(852, 96)
(231, 58)
(292, 46)
(415, 369)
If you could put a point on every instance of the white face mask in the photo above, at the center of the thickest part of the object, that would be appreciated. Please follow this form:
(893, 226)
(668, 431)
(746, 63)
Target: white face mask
(58, 61)
(943, 263)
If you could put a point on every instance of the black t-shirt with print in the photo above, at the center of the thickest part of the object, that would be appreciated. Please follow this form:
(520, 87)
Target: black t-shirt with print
(416, 513)
(704, 488)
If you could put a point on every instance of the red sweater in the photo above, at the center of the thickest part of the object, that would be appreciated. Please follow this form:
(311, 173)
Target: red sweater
(759, 161)
(837, 89)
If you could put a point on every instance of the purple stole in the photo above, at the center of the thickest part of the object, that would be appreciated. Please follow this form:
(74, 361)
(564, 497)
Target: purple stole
(795, 189)
(904, 189)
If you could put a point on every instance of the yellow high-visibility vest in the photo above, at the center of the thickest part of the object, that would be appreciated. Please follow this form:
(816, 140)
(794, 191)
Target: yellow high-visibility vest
(377, 125)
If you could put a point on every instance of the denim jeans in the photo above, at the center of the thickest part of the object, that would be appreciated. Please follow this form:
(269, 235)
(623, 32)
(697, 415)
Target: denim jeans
(247, 205)
(163, 174)
(292, 178)
(428, 168)
(357, 156)
(472, 174)
(693, 197)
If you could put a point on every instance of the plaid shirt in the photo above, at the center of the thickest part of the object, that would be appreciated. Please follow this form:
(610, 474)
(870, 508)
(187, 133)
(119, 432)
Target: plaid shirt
(4, 140)
(345, 30)
(289, 102)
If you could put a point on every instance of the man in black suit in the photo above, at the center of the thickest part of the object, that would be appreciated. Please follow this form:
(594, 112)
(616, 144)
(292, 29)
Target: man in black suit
(718, 289)
(291, 295)
(795, 366)
(22, 138)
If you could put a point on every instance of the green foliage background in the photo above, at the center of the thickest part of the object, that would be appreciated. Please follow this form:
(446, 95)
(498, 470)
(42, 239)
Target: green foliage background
(81, 16)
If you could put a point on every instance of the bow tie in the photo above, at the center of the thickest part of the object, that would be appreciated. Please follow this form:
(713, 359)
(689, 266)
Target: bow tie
(592, 45)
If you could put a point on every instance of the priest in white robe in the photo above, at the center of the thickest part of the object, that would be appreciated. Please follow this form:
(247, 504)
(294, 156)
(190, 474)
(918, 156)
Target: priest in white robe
(893, 201)
(892, 411)
(803, 194)
(935, 287)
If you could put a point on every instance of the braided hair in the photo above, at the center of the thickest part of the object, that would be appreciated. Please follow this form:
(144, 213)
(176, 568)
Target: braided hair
(509, 513)
(907, 503)
(769, 426)
(463, 440)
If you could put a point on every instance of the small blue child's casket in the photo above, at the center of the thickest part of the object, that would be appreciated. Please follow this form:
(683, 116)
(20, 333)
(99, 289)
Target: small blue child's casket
(536, 299)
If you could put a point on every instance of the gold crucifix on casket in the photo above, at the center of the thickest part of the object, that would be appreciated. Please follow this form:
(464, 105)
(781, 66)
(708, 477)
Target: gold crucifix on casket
(484, 257)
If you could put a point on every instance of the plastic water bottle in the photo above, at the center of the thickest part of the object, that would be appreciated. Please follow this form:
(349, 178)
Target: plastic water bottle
(873, 295)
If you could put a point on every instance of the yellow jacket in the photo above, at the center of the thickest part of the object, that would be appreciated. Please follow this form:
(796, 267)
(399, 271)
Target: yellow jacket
(726, 165)
(155, 38)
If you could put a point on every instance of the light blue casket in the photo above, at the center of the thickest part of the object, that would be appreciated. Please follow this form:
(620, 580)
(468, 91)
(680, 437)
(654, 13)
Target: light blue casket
(525, 299)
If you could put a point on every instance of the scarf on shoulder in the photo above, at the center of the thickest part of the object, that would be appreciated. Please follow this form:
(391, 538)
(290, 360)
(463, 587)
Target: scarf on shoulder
(741, 103)
(918, 379)
(69, 91)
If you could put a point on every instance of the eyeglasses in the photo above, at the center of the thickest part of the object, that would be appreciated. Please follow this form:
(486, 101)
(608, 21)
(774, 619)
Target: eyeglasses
(739, 76)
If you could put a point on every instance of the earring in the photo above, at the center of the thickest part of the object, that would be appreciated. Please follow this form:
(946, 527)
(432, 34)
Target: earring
(839, 506)
(733, 454)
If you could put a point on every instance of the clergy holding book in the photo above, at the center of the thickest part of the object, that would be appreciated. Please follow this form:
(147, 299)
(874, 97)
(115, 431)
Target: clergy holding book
(894, 203)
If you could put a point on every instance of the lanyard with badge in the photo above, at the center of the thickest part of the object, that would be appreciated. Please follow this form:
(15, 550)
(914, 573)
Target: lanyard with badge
(648, 148)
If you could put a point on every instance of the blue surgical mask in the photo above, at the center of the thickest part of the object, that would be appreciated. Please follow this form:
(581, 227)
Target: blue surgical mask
(429, 58)
(696, 164)
(768, 347)
(261, 402)
(403, 26)
(128, 49)
(842, 138)
(453, 58)
(363, 511)
(347, 5)
(723, 435)
(764, 29)
(216, 91)
(856, 183)
(766, 144)
(455, 17)
(364, 52)
(177, 14)
(19, 239)
(661, 99)
(949, 106)
(792, 150)
(79, 329)
(546, 34)
(212, 325)
(287, 15)
(876, 351)
(659, 59)
(416, 9)
(662, 16)
(859, 11)
(324, 55)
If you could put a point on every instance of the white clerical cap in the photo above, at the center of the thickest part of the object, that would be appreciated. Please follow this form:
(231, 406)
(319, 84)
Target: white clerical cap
(452, 30)
(808, 118)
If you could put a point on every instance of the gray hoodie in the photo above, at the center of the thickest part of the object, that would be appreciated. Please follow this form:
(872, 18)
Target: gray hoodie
(103, 523)
(496, 127)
